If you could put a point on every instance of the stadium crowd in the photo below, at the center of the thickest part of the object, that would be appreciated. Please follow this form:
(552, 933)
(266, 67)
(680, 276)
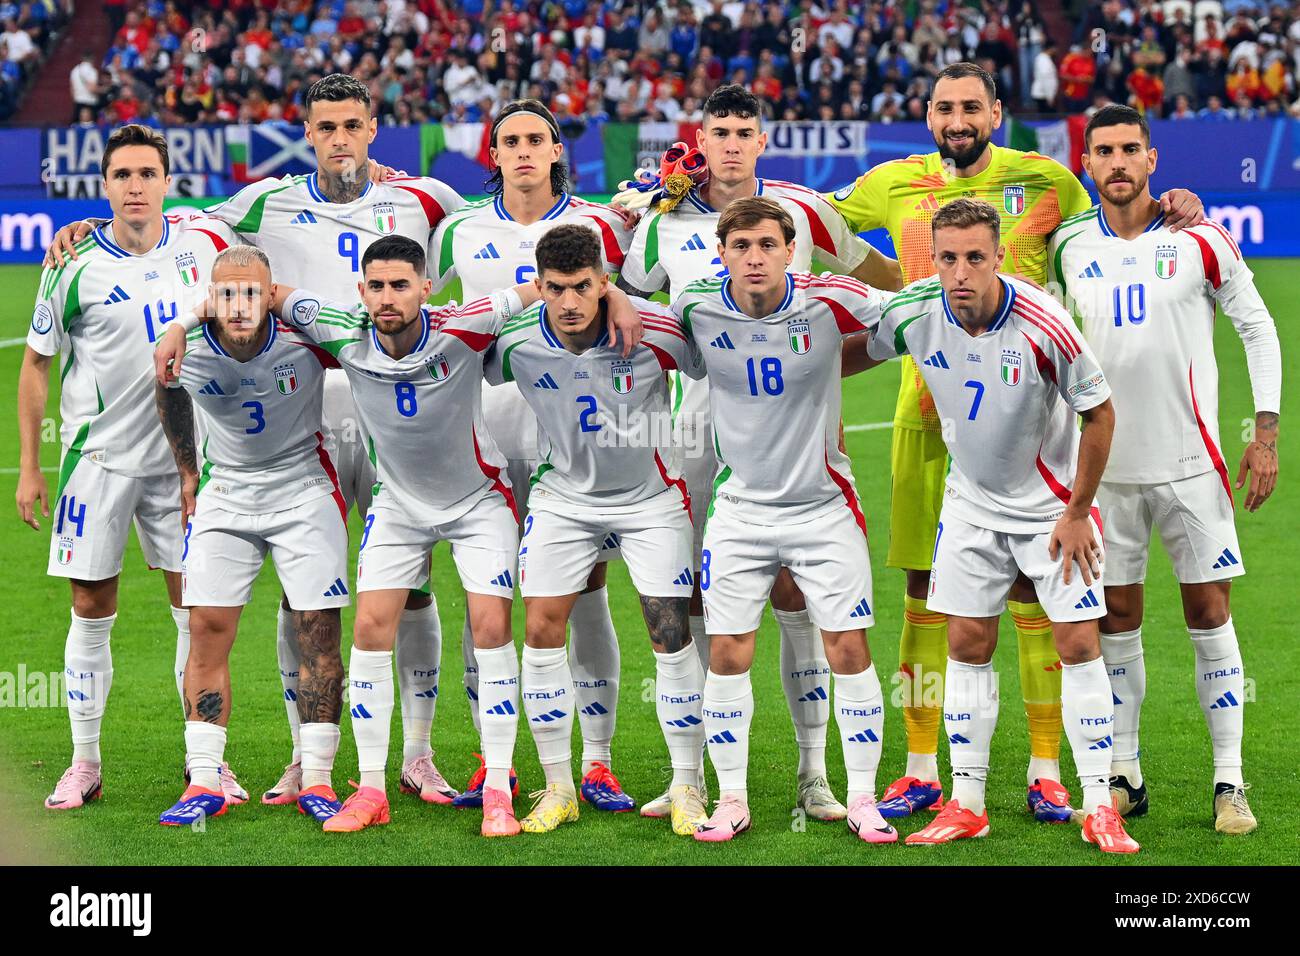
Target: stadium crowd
(225, 61)
(27, 31)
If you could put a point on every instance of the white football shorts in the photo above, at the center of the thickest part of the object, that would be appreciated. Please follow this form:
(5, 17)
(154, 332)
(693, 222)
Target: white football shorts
(973, 569)
(1196, 525)
(558, 550)
(827, 556)
(395, 546)
(224, 553)
(346, 442)
(92, 518)
(694, 435)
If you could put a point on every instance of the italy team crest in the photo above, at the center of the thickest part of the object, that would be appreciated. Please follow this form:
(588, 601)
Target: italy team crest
(1013, 200)
(65, 550)
(1166, 261)
(800, 337)
(621, 372)
(385, 217)
(286, 379)
(438, 366)
(1011, 366)
(188, 267)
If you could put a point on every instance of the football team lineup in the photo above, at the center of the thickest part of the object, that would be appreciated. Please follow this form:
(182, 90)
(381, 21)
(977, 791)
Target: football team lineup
(697, 446)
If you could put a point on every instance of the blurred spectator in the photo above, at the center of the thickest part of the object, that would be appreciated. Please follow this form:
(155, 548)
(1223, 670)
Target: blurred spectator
(1078, 73)
(1043, 84)
(1148, 91)
(1182, 108)
(84, 81)
(1214, 110)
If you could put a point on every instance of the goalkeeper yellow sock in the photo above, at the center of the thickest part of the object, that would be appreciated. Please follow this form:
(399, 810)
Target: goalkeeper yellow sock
(923, 658)
(1040, 683)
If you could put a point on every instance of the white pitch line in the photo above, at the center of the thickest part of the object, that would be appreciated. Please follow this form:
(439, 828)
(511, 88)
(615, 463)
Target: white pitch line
(869, 427)
(10, 343)
(17, 471)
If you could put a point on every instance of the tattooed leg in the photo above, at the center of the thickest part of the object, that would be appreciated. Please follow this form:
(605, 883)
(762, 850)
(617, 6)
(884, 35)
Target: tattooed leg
(207, 674)
(320, 665)
(669, 623)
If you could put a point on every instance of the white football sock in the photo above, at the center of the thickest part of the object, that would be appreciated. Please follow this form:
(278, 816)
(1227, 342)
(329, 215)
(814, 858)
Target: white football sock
(594, 662)
(805, 675)
(470, 679)
(370, 693)
(1043, 768)
(205, 751)
(182, 618)
(728, 711)
(970, 715)
(1122, 654)
(286, 649)
(498, 711)
(320, 744)
(922, 766)
(88, 673)
(1088, 713)
(547, 689)
(419, 653)
(1221, 688)
(679, 699)
(860, 716)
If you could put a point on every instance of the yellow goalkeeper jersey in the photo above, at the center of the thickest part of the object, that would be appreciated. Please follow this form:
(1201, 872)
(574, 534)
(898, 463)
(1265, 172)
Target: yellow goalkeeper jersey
(1033, 193)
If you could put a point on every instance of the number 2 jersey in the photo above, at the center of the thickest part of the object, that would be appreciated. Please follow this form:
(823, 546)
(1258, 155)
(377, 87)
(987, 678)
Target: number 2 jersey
(605, 429)
(263, 448)
(1007, 399)
(423, 411)
(1147, 308)
(104, 312)
(774, 393)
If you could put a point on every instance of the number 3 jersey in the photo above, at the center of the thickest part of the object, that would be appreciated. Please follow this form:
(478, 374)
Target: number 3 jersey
(1006, 399)
(1147, 308)
(263, 449)
(605, 430)
(423, 411)
(774, 393)
(104, 312)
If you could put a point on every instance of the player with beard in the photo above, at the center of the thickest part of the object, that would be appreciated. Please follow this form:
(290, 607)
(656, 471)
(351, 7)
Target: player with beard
(1034, 194)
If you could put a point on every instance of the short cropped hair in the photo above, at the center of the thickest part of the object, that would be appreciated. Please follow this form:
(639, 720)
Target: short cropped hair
(748, 213)
(1116, 114)
(395, 249)
(960, 71)
(241, 256)
(336, 88)
(568, 249)
(133, 134)
(964, 213)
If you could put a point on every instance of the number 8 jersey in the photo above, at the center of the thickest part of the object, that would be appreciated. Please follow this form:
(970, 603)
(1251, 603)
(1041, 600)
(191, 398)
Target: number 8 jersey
(774, 393)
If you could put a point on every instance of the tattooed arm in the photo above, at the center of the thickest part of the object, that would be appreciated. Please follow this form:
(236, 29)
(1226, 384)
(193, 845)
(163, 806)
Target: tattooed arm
(176, 410)
(668, 620)
(320, 665)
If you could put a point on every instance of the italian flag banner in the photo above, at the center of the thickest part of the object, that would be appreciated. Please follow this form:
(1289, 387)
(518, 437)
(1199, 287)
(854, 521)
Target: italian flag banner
(468, 139)
(633, 146)
(1062, 140)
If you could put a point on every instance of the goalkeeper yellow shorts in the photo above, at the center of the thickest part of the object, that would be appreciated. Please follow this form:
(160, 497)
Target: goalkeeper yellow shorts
(919, 462)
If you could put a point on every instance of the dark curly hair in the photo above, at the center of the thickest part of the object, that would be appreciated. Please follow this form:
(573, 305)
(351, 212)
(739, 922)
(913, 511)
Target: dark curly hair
(568, 249)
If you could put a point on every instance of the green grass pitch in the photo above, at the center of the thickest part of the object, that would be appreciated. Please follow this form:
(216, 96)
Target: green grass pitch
(143, 744)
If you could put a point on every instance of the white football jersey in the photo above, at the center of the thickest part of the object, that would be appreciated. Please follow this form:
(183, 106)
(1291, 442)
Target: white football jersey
(422, 412)
(774, 393)
(317, 244)
(263, 446)
(1006, 399)
(1147, 310)
(606, 434)
(104, 312)
(489, 250)
(677, 248)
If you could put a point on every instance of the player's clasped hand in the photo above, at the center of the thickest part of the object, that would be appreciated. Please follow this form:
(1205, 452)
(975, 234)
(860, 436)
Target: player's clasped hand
(1073, 540)
(1260, 460)
(64, 247)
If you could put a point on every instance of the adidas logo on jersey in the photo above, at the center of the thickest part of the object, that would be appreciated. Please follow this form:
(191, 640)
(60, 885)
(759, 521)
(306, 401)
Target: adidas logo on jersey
(1092, 272)
(594, 709)
(1227, 700)
(1226, 560)
(504, 580)
(488, 252)
(693, 244)
(723, 738)
(862, 609)
(814, 695)
(548, 717)
(867, 736)
(546, 382)
(723, 341)
(1089, 600)
(303, 218)
(937, 361)
(212, 388)
(117, 295)
(337, 589)
(685, 579)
